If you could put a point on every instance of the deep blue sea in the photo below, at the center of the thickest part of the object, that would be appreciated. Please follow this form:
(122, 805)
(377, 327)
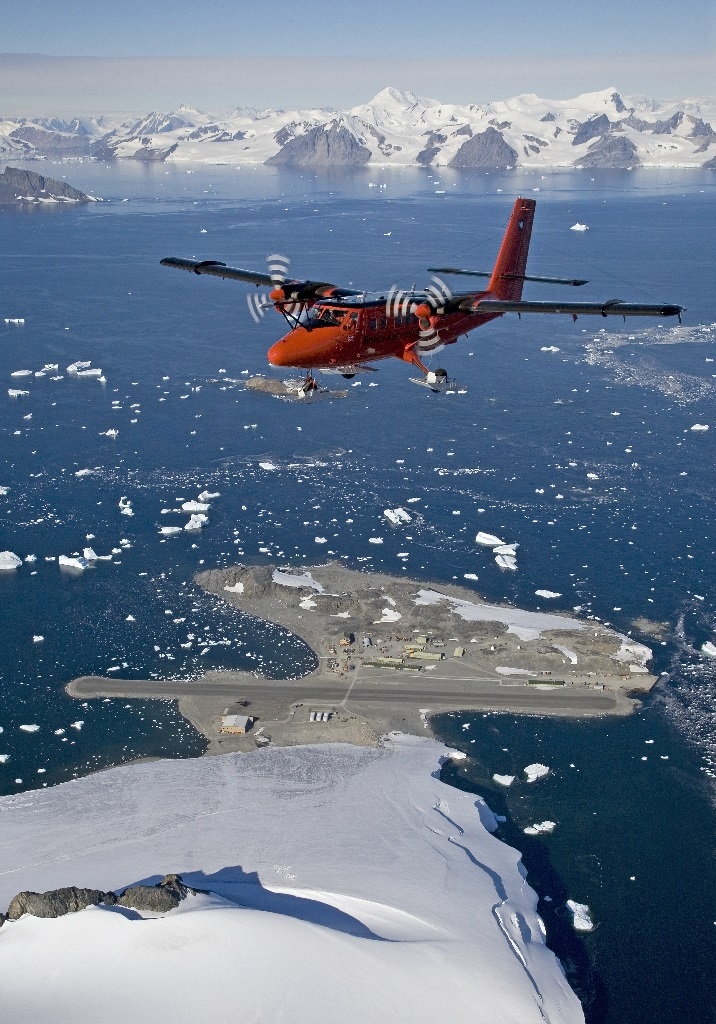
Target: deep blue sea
(574, 439)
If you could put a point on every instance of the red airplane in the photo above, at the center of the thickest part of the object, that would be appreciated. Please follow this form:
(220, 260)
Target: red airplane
(340, 330)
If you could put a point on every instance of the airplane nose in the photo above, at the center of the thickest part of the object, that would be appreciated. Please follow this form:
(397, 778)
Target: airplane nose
(277, 354)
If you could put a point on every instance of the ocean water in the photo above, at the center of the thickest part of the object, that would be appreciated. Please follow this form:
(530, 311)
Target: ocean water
(586, 456)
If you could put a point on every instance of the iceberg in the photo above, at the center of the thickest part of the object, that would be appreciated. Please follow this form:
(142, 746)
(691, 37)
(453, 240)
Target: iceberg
(506, 562)
(208, 496)
(196, 521)
(9, 560)
(167, 531)
(75, 368)
(536, 771)
(504, 780)
(540, 828)
(488, 540)
(579, 227)
(547, 593)
(16, 393)
(70, 562)
(709, 648)
(581, 919)
(195, 506)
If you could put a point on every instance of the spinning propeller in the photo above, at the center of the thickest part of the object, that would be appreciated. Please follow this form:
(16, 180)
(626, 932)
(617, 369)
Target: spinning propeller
(436, 300)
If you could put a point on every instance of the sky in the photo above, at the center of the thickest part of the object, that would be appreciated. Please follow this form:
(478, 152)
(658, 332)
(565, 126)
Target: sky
(138, 55)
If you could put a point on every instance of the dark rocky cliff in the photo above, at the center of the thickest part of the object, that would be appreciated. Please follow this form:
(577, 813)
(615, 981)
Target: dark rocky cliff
(17, 186)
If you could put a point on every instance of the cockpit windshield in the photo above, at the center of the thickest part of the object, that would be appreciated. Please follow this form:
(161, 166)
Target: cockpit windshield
(323, 316)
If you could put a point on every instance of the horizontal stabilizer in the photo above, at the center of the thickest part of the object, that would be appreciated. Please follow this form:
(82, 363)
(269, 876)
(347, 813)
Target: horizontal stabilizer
(576, 281)
(611, 308)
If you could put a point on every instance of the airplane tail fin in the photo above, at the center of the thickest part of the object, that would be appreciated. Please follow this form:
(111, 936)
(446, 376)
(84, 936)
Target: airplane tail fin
(506, 281)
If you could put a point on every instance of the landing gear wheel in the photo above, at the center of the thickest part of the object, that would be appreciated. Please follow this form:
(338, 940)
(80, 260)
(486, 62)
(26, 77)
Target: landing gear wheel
(348, 376)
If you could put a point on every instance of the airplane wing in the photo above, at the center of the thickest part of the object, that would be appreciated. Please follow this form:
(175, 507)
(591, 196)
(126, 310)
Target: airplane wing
(612, 307)
(295, 291)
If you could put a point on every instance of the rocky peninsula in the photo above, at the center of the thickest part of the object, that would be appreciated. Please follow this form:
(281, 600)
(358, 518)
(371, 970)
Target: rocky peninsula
(389, 653)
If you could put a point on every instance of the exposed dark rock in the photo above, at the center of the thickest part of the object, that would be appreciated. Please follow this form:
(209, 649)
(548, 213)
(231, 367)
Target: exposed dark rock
(56, 902)
(16, 185)
(3, 919)
(432, 148)
(155, 899)
(549, 117)
(611, 151)
(487, 149)
(150, 153)
(332, 145)
(618, 103)
(465, 130)
(590, 129)
(52, 141)
(710, 165)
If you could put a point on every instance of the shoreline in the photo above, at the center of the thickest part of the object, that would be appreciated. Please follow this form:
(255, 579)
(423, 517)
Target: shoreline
(393, 683)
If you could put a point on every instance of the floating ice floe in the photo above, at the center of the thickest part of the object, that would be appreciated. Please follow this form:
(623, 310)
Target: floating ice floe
(208, 496)
(581, 919)
(21, 373)
(4, 758)
(195, 506)
(4, 491)
(579, 227)
(321, 540)
(16, 393)
(70, 562)
(397, 516)
(547, 593)
(536, 771)
(700, 426)
(504, 780)
(75, 368)
(94, 371)
(9, 560)
(14, 319)
(488, 540)
(37, 639)
(375, 540)
(196, 521)
(29, 728)
(540, 828)
(109, 433)
(267, 465)
(549, 348)
(709, 648)
(470, 576)
(506, 562)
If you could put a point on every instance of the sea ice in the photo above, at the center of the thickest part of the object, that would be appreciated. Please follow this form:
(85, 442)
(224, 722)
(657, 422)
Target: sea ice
(579, 227)
(74, 368)
(700, 426)
(169, 530)
(536, 771)
(375, 540)
(15, 393)
(29, 728)
(581, 920)
(37, 639)
(9, 560)
(195, 506)
(208, 495)
(547, 593)
(21, 373)
(709, 648)
(540, 828)
(470, 576)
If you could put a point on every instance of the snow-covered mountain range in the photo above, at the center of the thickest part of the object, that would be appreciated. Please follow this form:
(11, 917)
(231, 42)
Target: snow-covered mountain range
(598, 129)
